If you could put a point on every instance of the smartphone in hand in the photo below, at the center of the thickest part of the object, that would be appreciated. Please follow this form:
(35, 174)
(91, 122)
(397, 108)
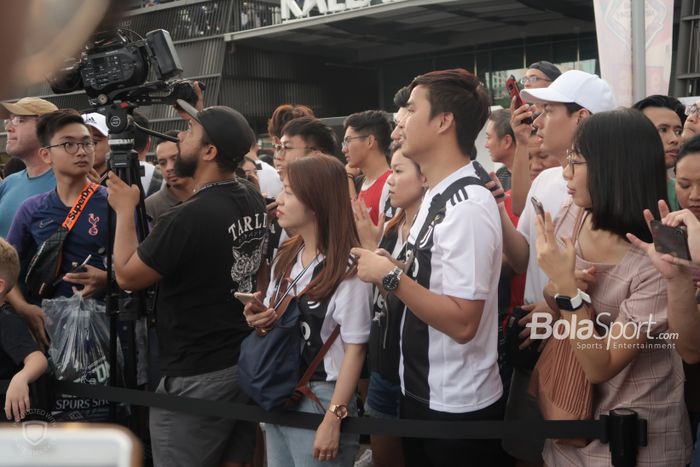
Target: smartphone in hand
(670, 240)
(246, 298)
(539, 209)
(514, 91)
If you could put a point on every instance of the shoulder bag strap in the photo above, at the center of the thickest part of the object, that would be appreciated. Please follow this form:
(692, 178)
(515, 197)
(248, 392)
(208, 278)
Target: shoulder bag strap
(281, 305)
(303, 384)
(79, 205)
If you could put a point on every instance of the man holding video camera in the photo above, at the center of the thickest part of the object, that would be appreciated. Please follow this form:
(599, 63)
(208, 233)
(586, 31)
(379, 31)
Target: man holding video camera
(201, 253)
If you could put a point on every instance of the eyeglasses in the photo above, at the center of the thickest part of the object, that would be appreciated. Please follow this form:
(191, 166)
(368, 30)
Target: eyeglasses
(347, 140)
(691, 109)
(19, 119)
(570, 161)
(532, 79)
(71, 147)
(281, 148)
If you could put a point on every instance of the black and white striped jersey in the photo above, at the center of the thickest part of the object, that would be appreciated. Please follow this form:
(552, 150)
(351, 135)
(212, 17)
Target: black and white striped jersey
(458, 254)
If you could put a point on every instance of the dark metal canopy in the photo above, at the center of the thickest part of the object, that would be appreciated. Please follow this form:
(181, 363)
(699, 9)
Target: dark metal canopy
(390, 30)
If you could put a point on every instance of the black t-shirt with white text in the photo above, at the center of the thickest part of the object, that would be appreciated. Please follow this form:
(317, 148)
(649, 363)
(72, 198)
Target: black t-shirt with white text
(207, 249)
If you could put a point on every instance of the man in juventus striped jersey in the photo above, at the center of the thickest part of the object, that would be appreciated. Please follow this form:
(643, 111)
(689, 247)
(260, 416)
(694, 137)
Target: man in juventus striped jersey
(448, 365)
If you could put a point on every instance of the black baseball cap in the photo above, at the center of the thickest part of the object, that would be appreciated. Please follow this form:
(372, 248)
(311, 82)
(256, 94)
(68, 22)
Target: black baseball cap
(548, 68)
(227, 129)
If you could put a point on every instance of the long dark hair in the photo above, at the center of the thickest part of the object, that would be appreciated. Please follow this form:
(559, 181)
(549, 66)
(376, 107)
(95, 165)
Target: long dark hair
(626, 170)
(320, 183)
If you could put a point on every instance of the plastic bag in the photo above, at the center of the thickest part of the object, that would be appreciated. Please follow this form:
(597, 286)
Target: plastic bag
(79, 352)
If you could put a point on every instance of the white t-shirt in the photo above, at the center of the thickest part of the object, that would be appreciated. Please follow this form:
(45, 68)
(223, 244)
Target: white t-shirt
(550, 189)
(465, 262)
(349, 307)
(270, 183)
(147, 175)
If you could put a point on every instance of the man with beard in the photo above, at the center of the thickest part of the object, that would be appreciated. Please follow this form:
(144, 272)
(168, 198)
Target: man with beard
(202, 252)
(176, 190)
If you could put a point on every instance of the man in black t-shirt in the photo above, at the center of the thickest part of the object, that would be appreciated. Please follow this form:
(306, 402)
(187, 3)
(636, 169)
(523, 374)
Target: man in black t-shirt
(202, 252)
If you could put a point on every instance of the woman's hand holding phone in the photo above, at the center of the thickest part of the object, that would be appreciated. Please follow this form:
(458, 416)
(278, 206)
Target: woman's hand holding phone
(688, 219)
(257, 315)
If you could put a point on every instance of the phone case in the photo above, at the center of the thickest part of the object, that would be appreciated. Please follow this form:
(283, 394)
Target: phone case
(670, 240)
(514, 91)
(539, 209)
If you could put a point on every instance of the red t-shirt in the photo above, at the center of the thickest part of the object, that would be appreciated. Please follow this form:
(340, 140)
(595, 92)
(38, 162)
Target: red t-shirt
(372, 196)
(517, 284)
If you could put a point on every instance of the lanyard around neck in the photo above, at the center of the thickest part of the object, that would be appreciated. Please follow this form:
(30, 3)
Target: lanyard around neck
(278, 299)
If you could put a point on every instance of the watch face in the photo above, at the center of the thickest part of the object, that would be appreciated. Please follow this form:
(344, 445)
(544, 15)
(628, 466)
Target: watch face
(341, 411)
(391, 281)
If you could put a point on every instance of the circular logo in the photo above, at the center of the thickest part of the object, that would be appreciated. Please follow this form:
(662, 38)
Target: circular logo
(115, 121)
(35, 430)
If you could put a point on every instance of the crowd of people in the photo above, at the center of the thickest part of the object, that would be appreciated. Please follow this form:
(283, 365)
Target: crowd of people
(423, 287)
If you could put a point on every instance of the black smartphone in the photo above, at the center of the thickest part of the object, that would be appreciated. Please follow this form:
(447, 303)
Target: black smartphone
(670, 240)
(539, 209)
(515, 356)
(514, 91)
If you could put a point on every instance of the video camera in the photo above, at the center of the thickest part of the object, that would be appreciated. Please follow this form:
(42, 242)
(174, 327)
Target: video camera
(114, 68)
(120, 71)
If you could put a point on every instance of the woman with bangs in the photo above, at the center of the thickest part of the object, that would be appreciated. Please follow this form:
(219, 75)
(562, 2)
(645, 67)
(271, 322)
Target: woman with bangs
(316, 265)
(615, 171)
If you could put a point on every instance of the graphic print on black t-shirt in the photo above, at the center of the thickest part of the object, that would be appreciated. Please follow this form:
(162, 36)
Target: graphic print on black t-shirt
(249, 233)
(208, 248)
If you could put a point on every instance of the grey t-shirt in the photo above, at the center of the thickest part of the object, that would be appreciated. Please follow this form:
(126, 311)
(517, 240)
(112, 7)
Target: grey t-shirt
(159, 203)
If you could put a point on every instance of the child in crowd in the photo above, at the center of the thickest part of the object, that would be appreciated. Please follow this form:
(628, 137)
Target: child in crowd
(21, 361)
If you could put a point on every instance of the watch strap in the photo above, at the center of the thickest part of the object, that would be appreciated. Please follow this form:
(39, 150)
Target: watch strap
(575, 302)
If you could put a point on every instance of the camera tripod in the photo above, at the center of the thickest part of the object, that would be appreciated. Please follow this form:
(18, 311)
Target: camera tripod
(126, 309)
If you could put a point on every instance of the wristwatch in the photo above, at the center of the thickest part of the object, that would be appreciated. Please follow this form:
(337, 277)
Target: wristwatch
(572, 303)
(391, 280)
(339, 410)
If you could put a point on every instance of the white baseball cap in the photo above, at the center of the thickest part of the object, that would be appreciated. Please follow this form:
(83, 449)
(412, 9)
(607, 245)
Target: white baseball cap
(575, 86)
(97, 121)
